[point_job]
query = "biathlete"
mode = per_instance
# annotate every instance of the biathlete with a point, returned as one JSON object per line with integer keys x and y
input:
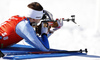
{"x": 17, "y": 28}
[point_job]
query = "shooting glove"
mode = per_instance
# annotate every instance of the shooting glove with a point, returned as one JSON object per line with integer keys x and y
{"x": 44, "y": 28}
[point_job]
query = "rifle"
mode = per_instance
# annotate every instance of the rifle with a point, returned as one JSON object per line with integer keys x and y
{"x": 53, "y": 23}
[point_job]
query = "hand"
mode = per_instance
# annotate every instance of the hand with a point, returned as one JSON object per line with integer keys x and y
{"x": 60, "y": 24}
{"x": 44, "y": 28}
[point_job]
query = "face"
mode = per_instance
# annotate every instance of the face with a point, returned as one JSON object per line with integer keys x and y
{"x": 34, "y": 20}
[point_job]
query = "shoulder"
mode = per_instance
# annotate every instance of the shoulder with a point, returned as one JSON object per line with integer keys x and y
{"x": 22, "y": 24}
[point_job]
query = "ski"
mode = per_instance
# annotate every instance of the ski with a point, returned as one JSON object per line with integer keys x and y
{"x": 41, "y": 54}
{"x": 80, "y": 51}
{"x": 27, "y": 52}
{"x": 48, "y": 52}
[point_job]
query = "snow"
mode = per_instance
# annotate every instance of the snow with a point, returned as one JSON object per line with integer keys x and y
{"x": 70, "y": 36}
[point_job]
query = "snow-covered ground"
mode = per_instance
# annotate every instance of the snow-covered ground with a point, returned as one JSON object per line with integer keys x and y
{"x": 70, "y": 36}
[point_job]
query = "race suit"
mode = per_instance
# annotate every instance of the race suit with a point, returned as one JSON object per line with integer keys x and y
{"x": 17, "y": 28}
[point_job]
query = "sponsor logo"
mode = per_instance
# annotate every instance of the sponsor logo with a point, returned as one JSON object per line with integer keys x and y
{"x": 5, "y": 38}
{"x": 38, "y": 17}
{"x": 3, "y": 34}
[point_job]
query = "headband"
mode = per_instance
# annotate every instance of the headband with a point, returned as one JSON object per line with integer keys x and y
{"x": 35, "y": 14}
